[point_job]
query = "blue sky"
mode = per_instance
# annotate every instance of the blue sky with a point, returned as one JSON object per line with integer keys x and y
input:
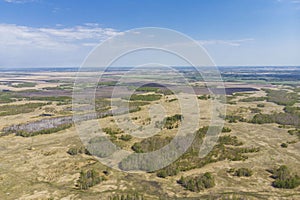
{"x": 37, "y": 33}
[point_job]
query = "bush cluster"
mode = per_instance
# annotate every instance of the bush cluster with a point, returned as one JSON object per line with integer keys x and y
{"x": 243, "y": 172}
{"x": 284, "y": 178}
{"x": 88, "y": 179}
{"x": 197, "y": 183}
{"x": 229, "y": 140}
{"x": 226, "y": 130}
{"x": 172, "y": 122}
{"x": 125, "y": 137}
{"x": 127, "y": 197}
{"x": 282, "y": 97}
{"x": 78, "y": 150}
{"x": 44, "y": 131}
{"x": 204, "y": 97}
{"x": 226, "y": 148}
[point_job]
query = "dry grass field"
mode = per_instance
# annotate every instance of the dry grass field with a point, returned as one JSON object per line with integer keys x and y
{"x": 42, "y": 167}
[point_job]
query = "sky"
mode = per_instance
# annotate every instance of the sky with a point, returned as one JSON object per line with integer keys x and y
{"x": 61, "y": 33}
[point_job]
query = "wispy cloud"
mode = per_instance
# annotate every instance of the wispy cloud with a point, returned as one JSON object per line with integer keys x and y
{"x": 295, "y": 3}
{"x": 64, "y": 45}
{"x": 235, "y": 43}
{"x": 12, "y": 35}
{"x": 20, "y": 1}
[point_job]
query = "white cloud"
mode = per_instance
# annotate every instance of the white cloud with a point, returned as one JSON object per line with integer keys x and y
{"x": 64, "y": 46}
{"x": 52, "y": 37}
{"x": 235, "y": 43}
{"x": 19, "y": 1}
{"x": 24, "y": 44}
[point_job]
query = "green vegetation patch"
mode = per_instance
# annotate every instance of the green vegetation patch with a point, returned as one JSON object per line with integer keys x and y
{"x": 233, "y": 118}
{"x": 61, "y": 99}
{"x": 150, "y": 144}
{"x": 279, "y": 118}
{"x": 127, "y": 197}
{"x": 108, "y": 83}
{"x": 230, "y": 140}
{"x": 284, "y": 178}
{"x": 112, "y": 131}
{"x": 18, "y": 109}
{"x": 126, "y": 137}
{"x": 173, "y": 121}
{"x": 78, "y": 150}
{"x": 204, "y": 97}
{"x": 260, "y": 105}
{"x": 226, "y": 148}
{"x": 282, "y": 97}
{"x": 88, "y": 179}
{"x": 197, "y": 183}
{"x": 226, "y": 130}
{"x": 284, "y": 145}
{"x": 295, "y": 132}
{"x": 251, "y": 99}
{"x": 8, "y": 97}
{"x": 243, "y": 172}
{"x": 169, "y": 122}
{"x": 146, "y": 97}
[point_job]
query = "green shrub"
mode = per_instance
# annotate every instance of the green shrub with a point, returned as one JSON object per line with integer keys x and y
{"x": 260, "y": 105}
{"x": 284, "y": 145}
{"x": 226, "y": 130}
{"x": 111, "y": 131}
{"x": 233, "y": 118}
{"x": 243, "y": 172}
{"x": 262, "y": 119}
{"x": 255, "y": 110}
{"x": 171, "y": 100}
{"x": 198, "y": 183}
{"x": 150, "y": 144}
{"x": 229, "y": 140}
{"x": 137, "y": 147}
{"x": 279, "y": 118}
{"x": 294, "y": 132}
{"x": 292, "y": 110}
{"x": 78, "y": 150}
{"x": 284, "y": 178}
{"x": 126, "y": 137}
{"x": 170, "y": 170}
{"x": 172, "y": 122}
{"x": 89, "y": 179}
{"x": 204, "y": 97}
{"x": 127, "y": 197}
{"x": 289, "y": 183}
